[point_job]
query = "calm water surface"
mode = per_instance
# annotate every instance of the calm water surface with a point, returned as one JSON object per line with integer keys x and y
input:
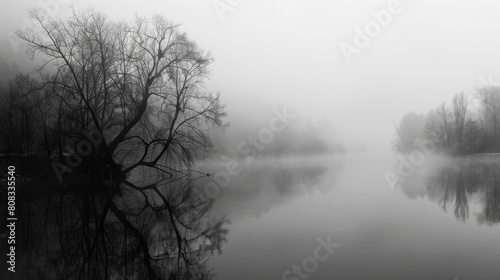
{"x": 441, "y": 223}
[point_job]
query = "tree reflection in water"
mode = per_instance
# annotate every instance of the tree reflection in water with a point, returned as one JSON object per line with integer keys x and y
{"x": 164, "y": 233}
{"x": 456, "y": 184}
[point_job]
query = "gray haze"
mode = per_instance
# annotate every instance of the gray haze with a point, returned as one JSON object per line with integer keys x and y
{"x": 312, "y": 105}
{"x": 270, "y": 54}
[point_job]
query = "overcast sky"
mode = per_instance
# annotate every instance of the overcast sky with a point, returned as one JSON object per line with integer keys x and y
{"x": 274, "y": 53}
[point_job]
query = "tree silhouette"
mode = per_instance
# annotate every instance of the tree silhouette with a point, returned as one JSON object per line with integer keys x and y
{"x": 129, "y": 206}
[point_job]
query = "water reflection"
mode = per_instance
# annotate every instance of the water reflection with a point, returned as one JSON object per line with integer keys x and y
{"x": 81, "y": 232}
{"x": 383, "y": 234}
{"x": 459, "y": 185}
{"x": 91, "y": 235}
{"x": 268, "y": 183}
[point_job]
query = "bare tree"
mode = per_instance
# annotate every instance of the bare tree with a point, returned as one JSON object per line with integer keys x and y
{"x": 141, "y": 85}
{"x": 460, "y": 105}
{"x": 439, "y": 126}
{"x": 473, "y": 136}
{"x": 19, "y": 114}
{"x": 410, "y": 127}
{"x": 489, "y": 97}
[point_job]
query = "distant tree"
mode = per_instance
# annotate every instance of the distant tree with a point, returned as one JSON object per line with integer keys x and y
{"x": 489, "y": 97}
{"x": 440, "y": 126}
{"x": 51, "y": 121}
{"x": 410, "y": 128}
{"x": 460, "y": 106}
{"x": 473, "y": 137}
{"x": 455, "y": 129}
{"x": 19, "y": 115}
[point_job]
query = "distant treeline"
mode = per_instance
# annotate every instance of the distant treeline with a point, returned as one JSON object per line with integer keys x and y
{"x": 32, "y": 120}
{"x": 470, "y": 124}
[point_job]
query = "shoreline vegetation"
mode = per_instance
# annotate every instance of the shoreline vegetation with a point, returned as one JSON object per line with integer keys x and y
{"x": 128, "y": 208}
{"x": 469, "y": 125}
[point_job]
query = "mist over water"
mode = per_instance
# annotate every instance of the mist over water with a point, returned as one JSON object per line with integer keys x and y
{"x": 266, "y": 139}
{"x": 443, "y": 218}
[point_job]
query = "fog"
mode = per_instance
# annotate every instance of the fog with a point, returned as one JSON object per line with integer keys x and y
{"x": 270, "y": 54}
{"x": 233, "y": 139}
